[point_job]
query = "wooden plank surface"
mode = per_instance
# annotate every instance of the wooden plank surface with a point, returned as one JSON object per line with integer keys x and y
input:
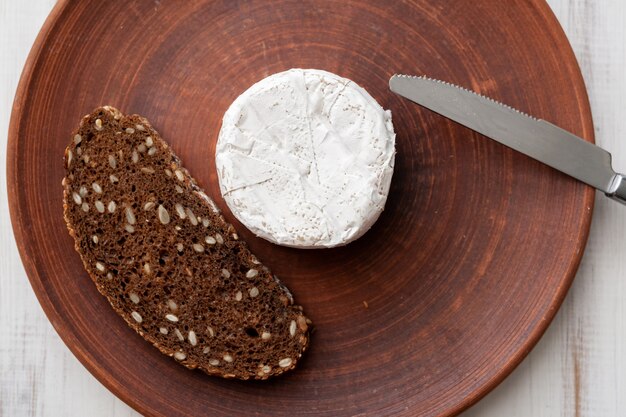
{"x": 577, "y": 369}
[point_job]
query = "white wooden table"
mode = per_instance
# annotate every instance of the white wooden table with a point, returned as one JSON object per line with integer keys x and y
{"x": 577, "y": 369}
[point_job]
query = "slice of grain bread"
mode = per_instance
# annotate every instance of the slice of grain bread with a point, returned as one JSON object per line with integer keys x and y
{"x": 157, "y": 247}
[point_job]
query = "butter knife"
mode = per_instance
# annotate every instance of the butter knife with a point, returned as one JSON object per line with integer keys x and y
{"x": 536, "y": 138}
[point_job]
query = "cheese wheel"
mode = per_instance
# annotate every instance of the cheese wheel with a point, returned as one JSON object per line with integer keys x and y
{"x": 305, "y": 159}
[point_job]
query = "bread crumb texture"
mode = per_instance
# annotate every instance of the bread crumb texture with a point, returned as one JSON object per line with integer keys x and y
{"x": 159, "y": 250}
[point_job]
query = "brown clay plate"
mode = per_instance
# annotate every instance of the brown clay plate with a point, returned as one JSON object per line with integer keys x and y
{"x": 428, "y": 311}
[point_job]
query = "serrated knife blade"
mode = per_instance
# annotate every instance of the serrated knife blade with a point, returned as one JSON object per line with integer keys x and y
{"x": 536, "y": 138}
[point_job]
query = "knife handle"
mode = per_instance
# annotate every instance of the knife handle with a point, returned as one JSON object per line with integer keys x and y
{"x": 618, "y": 189}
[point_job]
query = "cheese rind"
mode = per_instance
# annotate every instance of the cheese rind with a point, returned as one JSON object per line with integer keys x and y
{"x": 305, "y": 159}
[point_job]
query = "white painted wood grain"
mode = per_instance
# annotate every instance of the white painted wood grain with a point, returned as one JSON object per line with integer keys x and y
{"x": 579, "y": 366}
{"x": 577, "y": 369}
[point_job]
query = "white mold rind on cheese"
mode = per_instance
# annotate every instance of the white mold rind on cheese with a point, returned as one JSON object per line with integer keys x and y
{"x": 305, "y": 158}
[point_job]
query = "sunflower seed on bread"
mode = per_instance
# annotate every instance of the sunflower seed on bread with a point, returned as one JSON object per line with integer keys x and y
{"x": 158, "y": 249}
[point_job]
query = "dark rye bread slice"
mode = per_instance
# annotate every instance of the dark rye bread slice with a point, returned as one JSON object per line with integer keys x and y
{"x": 157, "y": 247}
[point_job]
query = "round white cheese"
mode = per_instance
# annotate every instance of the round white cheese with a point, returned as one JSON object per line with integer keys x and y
{"x": 305, "y": 158}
